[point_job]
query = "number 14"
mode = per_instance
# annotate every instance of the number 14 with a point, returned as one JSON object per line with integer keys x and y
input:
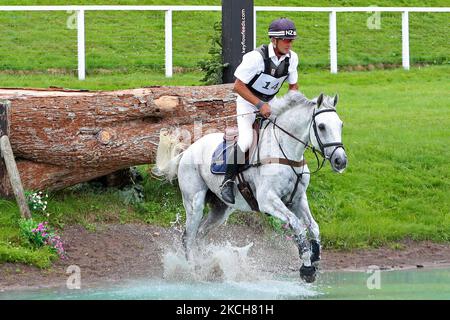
{"x": 274, "y": 87}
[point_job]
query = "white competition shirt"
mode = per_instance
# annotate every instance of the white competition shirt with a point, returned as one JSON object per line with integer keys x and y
{"x": 253, "y": 64}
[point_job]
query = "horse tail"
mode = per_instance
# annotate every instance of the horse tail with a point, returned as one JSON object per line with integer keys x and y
{"x": 168, "y": 155}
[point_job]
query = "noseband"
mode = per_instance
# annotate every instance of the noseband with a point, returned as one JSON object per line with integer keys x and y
{"x": 322, "y": 146}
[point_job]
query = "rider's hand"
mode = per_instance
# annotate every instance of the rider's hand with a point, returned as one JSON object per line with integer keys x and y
{"x": 265, "y": 110}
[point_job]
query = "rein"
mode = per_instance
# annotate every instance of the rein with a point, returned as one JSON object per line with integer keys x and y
{"x": 226, "y": 117}
{"x": 322, "y": 147}
{"x": 307, "y": 146}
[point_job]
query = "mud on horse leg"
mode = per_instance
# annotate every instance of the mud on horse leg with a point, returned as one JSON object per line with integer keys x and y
{"x": 309, "y": 254}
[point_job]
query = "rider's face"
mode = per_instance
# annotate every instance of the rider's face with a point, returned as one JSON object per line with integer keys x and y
{"x": 283, "y": 46}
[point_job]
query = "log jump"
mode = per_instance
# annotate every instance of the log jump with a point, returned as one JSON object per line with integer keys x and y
{"x": 63, "y": 137}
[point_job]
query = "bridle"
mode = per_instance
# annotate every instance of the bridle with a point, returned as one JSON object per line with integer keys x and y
{"x": 321, "y": 150}
{"x": 322, "y": 146}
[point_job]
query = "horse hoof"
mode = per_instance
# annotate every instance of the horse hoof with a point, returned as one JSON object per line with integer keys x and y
{"x": 308, "y": 274}
{"x": 315, "y": 248}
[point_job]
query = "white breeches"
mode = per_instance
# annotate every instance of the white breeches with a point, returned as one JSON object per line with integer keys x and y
{"x": 245, "y": 122}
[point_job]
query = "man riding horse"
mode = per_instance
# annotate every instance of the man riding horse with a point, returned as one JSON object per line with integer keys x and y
{"x": 258, "y": 79}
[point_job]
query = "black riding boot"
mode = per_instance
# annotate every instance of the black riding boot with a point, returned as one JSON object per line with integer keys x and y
{"x": 227, "y": 187}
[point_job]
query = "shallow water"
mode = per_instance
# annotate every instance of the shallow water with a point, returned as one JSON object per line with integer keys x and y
{"x": 226, "y": 272}
{"x": 433, "y": 283}
{"x": 405, "y": 284}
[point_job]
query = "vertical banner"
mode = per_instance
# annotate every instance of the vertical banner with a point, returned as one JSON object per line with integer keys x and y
{"x": 3, "y": 132}
{"x": 4, "y": 104}
{"x": 237, "y": 34}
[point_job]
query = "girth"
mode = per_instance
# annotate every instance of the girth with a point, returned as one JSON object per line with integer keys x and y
{"x": 246, "y": 191}
{"x": 284, "y": 161}
{"x": 244, "y": 186}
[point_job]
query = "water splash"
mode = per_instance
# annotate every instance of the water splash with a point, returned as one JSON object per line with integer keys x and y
{"x": 211, "y": 263}
{"x": 225, "y": 271}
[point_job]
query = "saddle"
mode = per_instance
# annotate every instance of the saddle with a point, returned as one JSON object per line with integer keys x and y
{"x": 230, "y": 138}
{"x": 220, "y": 155}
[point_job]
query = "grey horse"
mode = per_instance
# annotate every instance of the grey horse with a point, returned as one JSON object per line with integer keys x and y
{"x": 279, "y": 189}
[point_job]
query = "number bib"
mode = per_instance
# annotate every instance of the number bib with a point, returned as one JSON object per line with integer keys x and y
{"x": 268, "y": 85}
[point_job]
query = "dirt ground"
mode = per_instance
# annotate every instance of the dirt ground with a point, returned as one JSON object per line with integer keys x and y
{"x": 116, "y": 252}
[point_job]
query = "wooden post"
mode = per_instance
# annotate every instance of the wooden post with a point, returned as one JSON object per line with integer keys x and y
{"x": 405, "y": 40}
{"x": 81, "y": 46}
{"x": 9, "y": 162}
{"x": 333, "y": 43}
{"x": 14, "y": 177}
{"x": 168, "y": 44}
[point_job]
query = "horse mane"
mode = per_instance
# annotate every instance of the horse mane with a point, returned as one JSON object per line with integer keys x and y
{"x": 296, "y": 98}
{"x": 290, "y": 100}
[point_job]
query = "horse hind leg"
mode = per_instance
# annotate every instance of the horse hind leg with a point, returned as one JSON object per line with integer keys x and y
{"x": 193, "y": 204}
{"x": 218, "y": 213}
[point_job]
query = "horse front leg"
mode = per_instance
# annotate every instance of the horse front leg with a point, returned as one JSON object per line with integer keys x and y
{"x": 302, "y": 211}
{"x": 273, "y": 205}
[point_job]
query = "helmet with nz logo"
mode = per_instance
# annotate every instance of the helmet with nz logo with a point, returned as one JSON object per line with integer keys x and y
{"x": 282, "y": 28}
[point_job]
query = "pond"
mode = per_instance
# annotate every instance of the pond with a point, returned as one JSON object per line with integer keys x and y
{"x": 433, "y": 283}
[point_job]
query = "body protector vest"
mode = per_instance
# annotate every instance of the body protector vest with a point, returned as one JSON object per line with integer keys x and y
{"x": 266, "y": 84}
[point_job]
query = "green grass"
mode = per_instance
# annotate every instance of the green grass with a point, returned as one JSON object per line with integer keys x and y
{"x": 396, "y": 122}
{"x": 101, "y": 81}
{"x": 14, "y": 248}
{"x": 88, "y": 205}
{"x": 396, "y": 186}
{"x": 133, "y": 41}
{"x": 396, "y": 137}
{"x": 41, "y": 258}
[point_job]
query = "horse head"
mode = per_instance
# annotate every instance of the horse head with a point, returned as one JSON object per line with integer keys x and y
{"x": 326, "y": 132}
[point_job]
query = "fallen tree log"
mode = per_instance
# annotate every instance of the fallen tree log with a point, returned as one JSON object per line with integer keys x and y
{"x": 63, "y": 137}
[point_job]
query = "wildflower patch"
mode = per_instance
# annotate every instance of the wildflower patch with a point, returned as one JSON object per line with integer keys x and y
{"x": 40, "y": 234}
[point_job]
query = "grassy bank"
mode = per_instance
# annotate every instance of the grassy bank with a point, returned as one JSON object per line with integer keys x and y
{"x": 130, "y": 41}
{"x": 396, "y": 186}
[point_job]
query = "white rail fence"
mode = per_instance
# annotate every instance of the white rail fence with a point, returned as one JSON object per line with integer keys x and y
{"x": 168, "y": 25}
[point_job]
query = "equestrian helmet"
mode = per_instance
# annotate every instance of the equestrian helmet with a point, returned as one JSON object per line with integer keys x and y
{"x": 282, "y": 28}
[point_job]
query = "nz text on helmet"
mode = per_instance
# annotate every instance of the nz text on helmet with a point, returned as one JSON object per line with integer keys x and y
{"x": 282, "y": 28}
